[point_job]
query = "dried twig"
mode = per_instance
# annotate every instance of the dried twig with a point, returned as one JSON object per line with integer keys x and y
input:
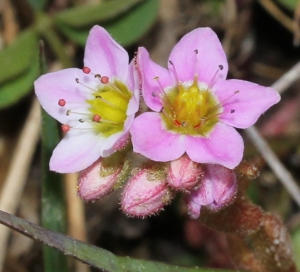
{"x": 280, "y": 16}
{"x": 281, "y": 172}
{"x": 76, "y": 218}
{"x": 17, "y": 174}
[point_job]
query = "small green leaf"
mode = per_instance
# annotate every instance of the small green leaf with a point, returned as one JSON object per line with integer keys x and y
{"x": 13, "y": 90}
{"x": 126, "y": 28}
{"x": 17, "y": 58}
{"x": 296, "y": 246}
{"x": 87, "y": 15}
{"x": 37, "y": 4}
{"x": 290, "y": 4}
{"x": 94, "y": 256}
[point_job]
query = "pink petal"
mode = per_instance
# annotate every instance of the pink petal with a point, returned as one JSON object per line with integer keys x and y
{"x": 111, "y": 144}
{"x": 52, "y": 87}
{"x": 104, "y": 56}
{"x": 205, "y": 64}
{"x": 150, "y": 139}
{"x": 75, "y": 152}
{"x": 201, "y": 197}
{"x": 223, "y": 146}
{"x": 151, "y": 87}
{"x": 224, "y": 184}
{"x": 242, "y": 109}
{"x": 133, "y": 86}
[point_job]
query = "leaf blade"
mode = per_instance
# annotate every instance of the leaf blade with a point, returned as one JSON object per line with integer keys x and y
{"x": 94, "y": 256}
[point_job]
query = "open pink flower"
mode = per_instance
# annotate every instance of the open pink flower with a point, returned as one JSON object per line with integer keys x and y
{"x": 96, "y": 104}
{"x": 217, "y": 189}
{"x": 195, "y": 107}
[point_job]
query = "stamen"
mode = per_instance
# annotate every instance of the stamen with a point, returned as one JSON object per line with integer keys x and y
{"x": 109, "y": 103}
{"x": 62, "y": 102}
{"x": 79, "y": 82}
{"x": 86, "y": 70}
{"x": 104, "y": 79}
{"x": 232, "y": 111}
{"x": 196, "y": 62}
{"x": 74, "y": 112}
{"x": 96, "y": 118}
{"x": 177, "y": 123}
{"x": 65, "y": 128}
{"x": 236, "y": 92}
{"x": 222, "y": 103}
{"x": 164, "y": 93}
{"x": 175, "y": 71}
{"x": 221, "y": 67}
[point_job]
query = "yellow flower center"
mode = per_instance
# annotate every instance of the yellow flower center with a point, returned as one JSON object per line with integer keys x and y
{"x": 109, "y": 107}
{"x": 190, "y": 110}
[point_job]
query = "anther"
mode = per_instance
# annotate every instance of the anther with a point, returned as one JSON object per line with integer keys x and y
{"x": 68, "y": 112}
{"x": 232, "y": 111}
{"x": 97, "y": 76}
{"x": 61, "y": 102}
{"x": 175, "y": 72}
{"x": 77, "y": 80}
{"x": 86, "y": 70}
{"x": 96, "y": 118}
{"x": 196, "y": 51}
{"x": 215, "y": 75}
{"x": 81, "y": 120}
{"x": 177, "y": 123}
{"x": 154, "y": 94}
{"x": 104, "y": 79}
{"x": 65, "y": 128}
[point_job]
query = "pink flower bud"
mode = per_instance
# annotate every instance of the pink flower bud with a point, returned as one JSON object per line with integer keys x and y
{"x": 224, "y": 186}
{"x": 97, "y": 180}
{"x": 184, "y": 174}
{"x": 217, "y": 189}
{"x": 146, "y": 193}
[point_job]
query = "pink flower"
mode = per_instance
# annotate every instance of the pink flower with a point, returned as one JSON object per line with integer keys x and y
{"x": 145, "y": 193}
{"x": 96, "y": 105}
{"x": 195, "y": 107}
{"x": 217, "y": 189}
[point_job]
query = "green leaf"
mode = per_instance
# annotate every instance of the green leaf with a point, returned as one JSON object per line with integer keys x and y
{"x": 17, "y": 58}
{"x": 126, "y": 28}
{"x": 53, "y": 201}
{"x": 87, "y": 15}
{"x": 94, "y": 256}
{"x": 18, "y": 70}
{"x": 14, "y": 90}
{"x": 290, "y": 4}
{"x": 37, "y": 4}
{"x": 296, "y": 246}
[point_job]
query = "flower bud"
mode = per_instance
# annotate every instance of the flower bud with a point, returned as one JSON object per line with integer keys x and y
{"x": 184, "y": 174}
{"x": 217, "y": 188}
{"x": 146, "y": 193}
{"x": 224, "y": 186}
{"x": 98, "y": 180}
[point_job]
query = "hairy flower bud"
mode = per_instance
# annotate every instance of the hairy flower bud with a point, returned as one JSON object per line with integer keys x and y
{"x": 217, "y": 188}
{"x": 98, "y": 180}
{"x": 146, "y": 193}
{"x": 184, "y": 174}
